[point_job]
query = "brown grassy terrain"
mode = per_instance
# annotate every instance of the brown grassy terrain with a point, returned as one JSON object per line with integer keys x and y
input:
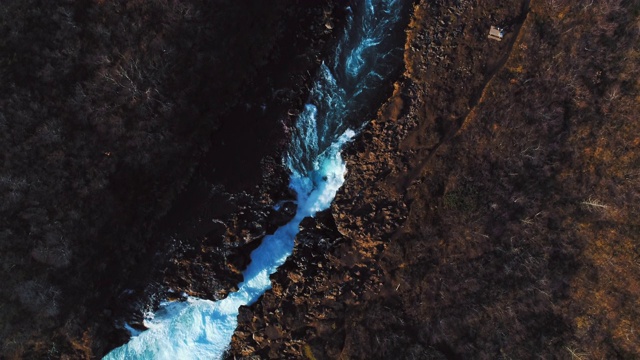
{"x": 491, "y": 210}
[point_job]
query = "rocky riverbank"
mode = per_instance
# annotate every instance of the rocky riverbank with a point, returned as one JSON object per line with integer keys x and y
{"x": 140, "y": 156}
{"x": 490, "y": 208}
{"x": 226, "y": 209}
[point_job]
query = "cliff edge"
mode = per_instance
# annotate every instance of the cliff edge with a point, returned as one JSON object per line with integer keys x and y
{"x": 490, "y": 209}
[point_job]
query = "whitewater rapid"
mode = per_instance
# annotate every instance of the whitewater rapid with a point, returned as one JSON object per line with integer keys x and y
{"x": 365, "y": 56}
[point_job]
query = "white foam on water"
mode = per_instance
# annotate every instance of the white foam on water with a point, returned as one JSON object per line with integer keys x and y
{"x": 202, "y": 329}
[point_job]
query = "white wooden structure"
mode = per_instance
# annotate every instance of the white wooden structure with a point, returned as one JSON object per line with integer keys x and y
{"x": 495, "y": 33}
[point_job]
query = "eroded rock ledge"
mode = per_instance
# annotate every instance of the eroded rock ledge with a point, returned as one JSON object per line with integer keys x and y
{"x": 490, "y": 208}
{"x": 140, "y": 151}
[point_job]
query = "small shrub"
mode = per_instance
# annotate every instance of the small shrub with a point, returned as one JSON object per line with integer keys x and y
{"x": 464, "y": 199}
{"x": 39, "y": 297}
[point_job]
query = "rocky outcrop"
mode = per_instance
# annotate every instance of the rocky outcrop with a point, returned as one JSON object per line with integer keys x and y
{"x": 489, "y": 210}
{"x": 226, "y": 209}
{"x": 140, "y": 156}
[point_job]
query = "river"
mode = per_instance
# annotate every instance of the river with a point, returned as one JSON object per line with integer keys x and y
{"x": 365, "y": 56}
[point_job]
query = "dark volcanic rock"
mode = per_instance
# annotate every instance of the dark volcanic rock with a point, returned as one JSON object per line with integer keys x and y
{"x": 140, "y": 156}
{"x": 226, "y": 210}
{"x": 489, "y": 210}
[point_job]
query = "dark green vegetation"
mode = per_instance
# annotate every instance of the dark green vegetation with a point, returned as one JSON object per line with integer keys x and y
{"x": 107, "y": 109}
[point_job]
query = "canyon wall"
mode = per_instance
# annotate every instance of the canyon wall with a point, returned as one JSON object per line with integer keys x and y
{"x": 490, "y": 209}
{"x": 140, "y": 153}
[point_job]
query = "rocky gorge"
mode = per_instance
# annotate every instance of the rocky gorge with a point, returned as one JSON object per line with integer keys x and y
{"x": 490, "y": 207}
{"x": 123, "y": 127}
{"x": 489, "y": 211}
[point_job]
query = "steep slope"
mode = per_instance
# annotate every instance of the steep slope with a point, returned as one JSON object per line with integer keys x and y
{"x": 490, "y": 211}
{"x": 122, "y": 127}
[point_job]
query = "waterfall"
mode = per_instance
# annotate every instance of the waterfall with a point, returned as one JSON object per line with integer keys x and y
{"x": 365, "y": 56}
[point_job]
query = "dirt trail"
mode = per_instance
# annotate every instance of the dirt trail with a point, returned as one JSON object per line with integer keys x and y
{"x": 516, "y": 232}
